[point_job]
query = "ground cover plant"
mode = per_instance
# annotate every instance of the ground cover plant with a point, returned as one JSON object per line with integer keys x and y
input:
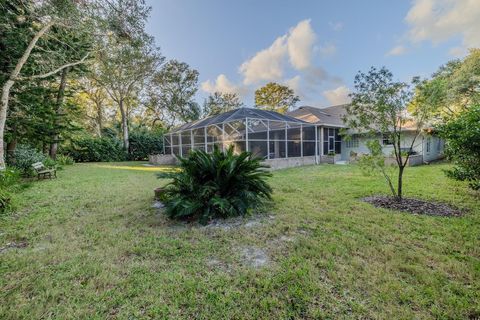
{"x": 89, "y": 245}
{"x": 217, "y": 185}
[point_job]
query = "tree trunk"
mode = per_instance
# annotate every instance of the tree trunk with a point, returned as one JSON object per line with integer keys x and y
{"x": 58, "y": 112}
{"x": 12, "y": 145}
{"x": 124, "y": 125}
{"x": 3, "y": 119}
{"x": 9, "y": 83}
{"x": 400, "y": 182}
{"x": 99, "y": 117}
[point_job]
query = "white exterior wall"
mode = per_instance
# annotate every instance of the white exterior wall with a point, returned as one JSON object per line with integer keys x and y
{"x": 436, "y": 148}
{"x": 420, "y": 146}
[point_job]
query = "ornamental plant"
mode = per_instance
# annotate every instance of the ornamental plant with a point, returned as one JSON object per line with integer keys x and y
{"x": 217, "y": 185}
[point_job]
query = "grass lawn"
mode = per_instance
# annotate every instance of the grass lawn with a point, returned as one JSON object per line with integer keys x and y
{"x": 97, "y": 249}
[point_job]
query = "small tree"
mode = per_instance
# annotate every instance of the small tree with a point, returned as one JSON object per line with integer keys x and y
{"x": 379, "y": 106}
{"x": 275, "y": 97}
{"x": 221, "y": 102}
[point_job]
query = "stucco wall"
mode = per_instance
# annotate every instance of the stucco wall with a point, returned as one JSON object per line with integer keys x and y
{"x": 162, "y": 159}
{"x": 420, "y": 147}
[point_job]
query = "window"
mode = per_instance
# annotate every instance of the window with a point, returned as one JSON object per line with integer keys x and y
{"x": 429, "y": 142}
{"x": 352, "y": 142}
{"x": 332, "y": 141}
{"x": 386, "y": 141}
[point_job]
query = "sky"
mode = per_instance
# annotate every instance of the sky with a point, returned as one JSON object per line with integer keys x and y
{"x": 314, "y": 47}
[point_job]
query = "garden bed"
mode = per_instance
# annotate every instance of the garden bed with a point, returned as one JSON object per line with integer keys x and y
{"x": 415, "y": 206}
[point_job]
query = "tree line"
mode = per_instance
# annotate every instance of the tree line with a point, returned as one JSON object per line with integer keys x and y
{"x": 89, "y": 68}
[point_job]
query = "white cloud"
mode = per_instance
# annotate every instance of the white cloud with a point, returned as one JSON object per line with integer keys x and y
{"x": 397, "y": 51}
{"x": 300, "y": 45}
{"x": 269, "y": 64}
{"x": 222, "y": 84}
{"x": 266, "y": 64}
{"x": 295, "y": 84}
{"x": 338, "y": 95}
{"x": 440, "y": 20}
{"x": 289, "y": 55}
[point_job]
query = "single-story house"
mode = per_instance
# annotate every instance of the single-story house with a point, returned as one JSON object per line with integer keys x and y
{"x": 427, "y": 146}
{"x": 304, "y": 136}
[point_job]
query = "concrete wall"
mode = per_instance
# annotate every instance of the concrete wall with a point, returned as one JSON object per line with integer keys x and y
{"x": 162, "y": 159}
{"x": 330, "y": 159}
{"x": 276, "y": 164}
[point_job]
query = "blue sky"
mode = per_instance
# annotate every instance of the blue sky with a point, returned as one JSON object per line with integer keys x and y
{"x": 315, "y": 47}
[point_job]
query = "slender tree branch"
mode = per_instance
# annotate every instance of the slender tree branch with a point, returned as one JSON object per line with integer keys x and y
{"x": 48, "y": 74}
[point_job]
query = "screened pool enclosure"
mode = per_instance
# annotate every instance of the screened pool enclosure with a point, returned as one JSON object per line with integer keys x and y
{"x": 266, "y": 134}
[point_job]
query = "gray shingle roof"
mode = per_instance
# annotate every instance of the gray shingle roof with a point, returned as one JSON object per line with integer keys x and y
{"x": 238, "y": 114}
{"x": 330, "y": 116}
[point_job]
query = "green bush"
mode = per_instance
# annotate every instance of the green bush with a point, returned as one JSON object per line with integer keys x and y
{"x": 9, "y": 183}
{"x": 64, "y": 160}
{"x": 91, "y": 149}
{"x": 463, "y": 146}
{"x": 24, "y": 156}
{"x": 144, "y": 143}
{"x": 220, "y": 184}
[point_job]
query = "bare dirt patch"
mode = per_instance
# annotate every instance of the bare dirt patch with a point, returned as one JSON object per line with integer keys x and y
{"x": 254, "y": 257}
{"x": 248, "y": 222}
{"x": 415, "y": 206}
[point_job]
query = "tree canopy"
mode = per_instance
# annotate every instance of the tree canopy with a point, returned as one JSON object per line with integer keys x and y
{"x": 275, "y": 97}
{"x": 219, "y": 102}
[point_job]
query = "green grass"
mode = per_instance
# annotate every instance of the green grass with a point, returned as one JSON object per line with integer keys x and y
{"x": 96, "y": 249}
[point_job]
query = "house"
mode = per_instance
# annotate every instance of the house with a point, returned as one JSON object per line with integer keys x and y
{"x": 427, "y": 146}
{"x": 281, "y": 140}
{"x": 304, "y": 136}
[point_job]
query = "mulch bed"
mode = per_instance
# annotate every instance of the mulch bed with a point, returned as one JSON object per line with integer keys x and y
{"x": 415, "y": 206}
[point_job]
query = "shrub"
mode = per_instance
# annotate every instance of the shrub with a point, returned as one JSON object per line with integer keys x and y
{"x": 91, "y": 149}
{"x": 220, "y": 184}
{"x": 24, "y": 156}
{"x": 9, "y": 183}
{"x": 144, "y": 143}
{"x": 64, "y": 160}
{"x": 463, "y": 146}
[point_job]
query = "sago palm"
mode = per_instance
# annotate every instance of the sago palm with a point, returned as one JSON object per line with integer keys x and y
{"x": 220, "y": 184}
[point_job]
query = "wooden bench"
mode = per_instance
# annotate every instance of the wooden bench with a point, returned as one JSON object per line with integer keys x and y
{"x": 44, "y": 172}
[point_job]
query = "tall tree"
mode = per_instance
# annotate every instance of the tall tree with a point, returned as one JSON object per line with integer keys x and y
{"x": 96, "y": 103}
{"x": 379, "y": 106}
{"x": 219, "y": 102}
{"x": 453, "y": 88}
{"x": 275, "y": 97}
{"x": 35, "y": 20}
{"x": 171, "y": 94}
{"x": 123, "y": 70}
